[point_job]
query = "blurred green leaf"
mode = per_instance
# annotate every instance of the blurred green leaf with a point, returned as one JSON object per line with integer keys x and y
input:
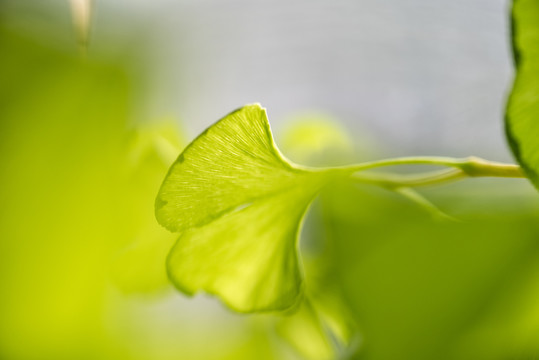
{"x": 522, "y": 114}
{"x": 140, "y": 266}
{"x": 239, "y": 205}
{"x": 316, "y": 139}
{"x": 321, "y": 329}
{"x": 421, "y": 289}
{"x": 61, "y": 152}
{"x": 305, "y": 332}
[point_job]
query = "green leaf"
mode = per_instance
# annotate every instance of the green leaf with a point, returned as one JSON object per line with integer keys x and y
{"x": 522, "y": 114}
{"x": 150, "y": 150}
{"x": 238, "y": 205}
{"x": 317, "y": 139}
{"x": 437, "y": 290}
{"x": 305, "y": 331}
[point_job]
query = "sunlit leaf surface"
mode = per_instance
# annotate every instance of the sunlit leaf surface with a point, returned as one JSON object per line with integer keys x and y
{"x": 239, "y": 206}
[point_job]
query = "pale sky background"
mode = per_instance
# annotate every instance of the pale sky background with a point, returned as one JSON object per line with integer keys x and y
{"x": 410, "y": 76}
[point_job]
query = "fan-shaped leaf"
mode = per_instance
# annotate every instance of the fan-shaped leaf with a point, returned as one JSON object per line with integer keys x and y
{"x": 238, "y": 204}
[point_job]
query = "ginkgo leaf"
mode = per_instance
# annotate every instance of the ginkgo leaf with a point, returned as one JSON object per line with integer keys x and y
{"x": 247, "y": 257}
{"x": 238, "y": 205}
{"x": 522, "y": 114}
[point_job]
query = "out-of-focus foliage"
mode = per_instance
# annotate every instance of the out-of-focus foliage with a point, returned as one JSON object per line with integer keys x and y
{"x": 139, "y": 267}
{"x": 422, "y": 289}
{"x": 77, "y": 192}
{"x": 322, "y": 327}
{"x": 82, "y": 272}
{"x": 522, "y": 118}
{"x": 60, "y": 133}
{"x": 316, "y": 139}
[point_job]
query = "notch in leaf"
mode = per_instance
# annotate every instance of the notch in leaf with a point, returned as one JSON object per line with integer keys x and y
{"x": 238, "y": 204}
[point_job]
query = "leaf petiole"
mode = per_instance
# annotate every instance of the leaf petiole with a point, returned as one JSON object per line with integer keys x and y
{"x": 391, "y": 180}
{"x": 423, "y": 202}
{"x": 459, "y": 169}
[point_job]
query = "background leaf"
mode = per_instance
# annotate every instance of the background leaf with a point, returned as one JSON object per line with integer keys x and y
{"x": 420, "y": 289}
{"x": 522, "y": 114}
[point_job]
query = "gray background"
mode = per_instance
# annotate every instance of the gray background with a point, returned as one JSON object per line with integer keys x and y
{"x": 410, "y": 76}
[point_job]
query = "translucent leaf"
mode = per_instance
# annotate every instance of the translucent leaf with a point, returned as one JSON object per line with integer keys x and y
{"x": 247, "y": 257}
{"x": 239, "y": 205}
{"x": 522, "y": 116}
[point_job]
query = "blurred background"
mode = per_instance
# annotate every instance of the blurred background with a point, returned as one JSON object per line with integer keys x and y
{"x": 90, "y": 123}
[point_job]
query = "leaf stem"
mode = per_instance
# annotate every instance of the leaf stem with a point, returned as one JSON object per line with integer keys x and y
{"x": 459, "y": 168}
{"x": 413, "y": 180}
{"x": 420, "y": 160}
{"x": 417, "y": 198}
{"x": 403, "y": 184}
